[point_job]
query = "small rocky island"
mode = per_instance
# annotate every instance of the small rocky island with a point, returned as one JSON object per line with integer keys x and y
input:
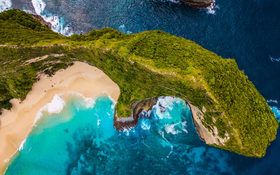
{"x": 199, "y": 3}
{"x": 227, "y": 109}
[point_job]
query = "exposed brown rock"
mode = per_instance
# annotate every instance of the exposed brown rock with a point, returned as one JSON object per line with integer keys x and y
{"x": 147, "y": 104}
{"x": 42, "y": 21}
{"x": 198, "y": 3}
{"x": 129, "y": 122}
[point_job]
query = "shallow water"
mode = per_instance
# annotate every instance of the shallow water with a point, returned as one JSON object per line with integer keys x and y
{"x": 81, "y": 139}
{"x": 245, "y": 30}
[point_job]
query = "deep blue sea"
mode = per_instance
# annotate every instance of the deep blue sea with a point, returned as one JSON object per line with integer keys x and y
{"x": 247, "y": 30}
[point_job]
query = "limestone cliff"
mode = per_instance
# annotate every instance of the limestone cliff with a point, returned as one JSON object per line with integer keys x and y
{"x": 147, "y": 104}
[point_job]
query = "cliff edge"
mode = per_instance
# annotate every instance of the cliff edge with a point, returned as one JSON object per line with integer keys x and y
{"x": 228, "y": 111}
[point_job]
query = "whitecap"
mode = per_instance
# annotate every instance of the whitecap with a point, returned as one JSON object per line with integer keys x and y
{"x": 163, "y": 105}
{"x": 88, "y": 102}
{"x": 272, "y": 101}
{"x": 173, "y": 1}
{"x": 126, "y": 132}
{"x": 5, "y": 5}
{"x": 274, "y": 59}
{"x": 58, "y": 24}
{"x": 184, "y": 124}
{"x": 39, "y": 6}
{"x": 22, "y": 145}
{"x": 145, "y": 124}
{"x": 171, "y": 128}
{"x": 55, "y": 106}
{"x": 122, "y": 28}
{"x": 276, "y": 111}
{"x": 212, "y": 8}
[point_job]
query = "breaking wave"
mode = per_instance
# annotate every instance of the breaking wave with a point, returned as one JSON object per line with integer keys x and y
{"x": 272, "y": 101}
{"x": 212, "y": 9}
{"x": 273, "y": 104}
{"x": 5, "y": 5}
{"x": 58, "y": 23}
{"x": 39, "y": 6}
{"x": 276, "y": 111}
{"x": 274, "y": 59}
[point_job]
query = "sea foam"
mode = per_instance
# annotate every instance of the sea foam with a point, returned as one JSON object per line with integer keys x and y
{"x": 174, "y": 1}
{"x": 212, "y": 8}
{"x": 272, "y": 101}
{"x": 55, "y": 106}
{"x": 123, "y": 29}
{"x": 39, "y": 6}
{"x": 164, "y": 103}
{"x": 5, "y": 4}
{"x": 274, "y": 59}
{"x": 170, "y": 128}
{"x": 276, "y": 111}
{"x": 58, "y": 24}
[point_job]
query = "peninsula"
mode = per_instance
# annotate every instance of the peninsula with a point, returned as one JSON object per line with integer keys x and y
{"x": 227, "y": 109}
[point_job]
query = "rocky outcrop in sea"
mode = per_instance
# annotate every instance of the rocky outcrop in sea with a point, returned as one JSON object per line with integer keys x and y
{"x": 199, "y": 3}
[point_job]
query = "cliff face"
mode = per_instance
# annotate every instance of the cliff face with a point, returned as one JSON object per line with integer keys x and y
{"x": 144, "y": 65}
{"x": 128, "y": 122}
{"x": 198, "y": 3}
{"x": 203, "y": 133}
{"x": 42, "y": 21}
{"x": 147, "y": 104}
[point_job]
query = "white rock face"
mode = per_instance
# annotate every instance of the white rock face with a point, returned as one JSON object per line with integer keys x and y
{"x": 203, "y": 132}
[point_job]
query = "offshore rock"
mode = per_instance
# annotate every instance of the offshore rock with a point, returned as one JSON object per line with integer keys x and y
{"x": 199, "y": 3}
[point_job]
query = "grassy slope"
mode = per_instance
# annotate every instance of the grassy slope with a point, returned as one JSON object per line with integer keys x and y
{"x": 144, "y": 65}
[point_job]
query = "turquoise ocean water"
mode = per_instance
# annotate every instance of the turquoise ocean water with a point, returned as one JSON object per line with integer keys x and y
{"x": 245, "y": 30}
{"x": 81, "y": 139}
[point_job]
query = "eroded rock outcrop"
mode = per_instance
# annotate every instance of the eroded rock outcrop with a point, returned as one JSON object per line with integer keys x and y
{"x": 129, "y": 122}
{"x": 42, "y": 21}
{"x": 197, "y": 115}
{"x": 199, "y": 3}
{"x": 204, "y": 134}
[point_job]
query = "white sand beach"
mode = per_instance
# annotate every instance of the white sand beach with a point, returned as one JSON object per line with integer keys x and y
{"x": 18, "y": 122}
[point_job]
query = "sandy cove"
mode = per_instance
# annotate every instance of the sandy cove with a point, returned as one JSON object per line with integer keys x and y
{"x": 18, "y": 122}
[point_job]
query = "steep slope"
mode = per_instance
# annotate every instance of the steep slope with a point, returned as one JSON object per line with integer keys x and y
{"x": 227, "y": 109}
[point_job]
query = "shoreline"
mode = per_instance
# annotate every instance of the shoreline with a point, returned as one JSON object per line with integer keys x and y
{"x": 80, "y": 78}
{"x": 17, "y": 123}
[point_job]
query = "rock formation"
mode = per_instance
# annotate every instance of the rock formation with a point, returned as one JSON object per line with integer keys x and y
{"x": 42, "y": 21}
{"x": 199, "y": 3}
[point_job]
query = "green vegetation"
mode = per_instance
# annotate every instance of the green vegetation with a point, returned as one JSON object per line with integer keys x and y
{"x": 144, "y": 65}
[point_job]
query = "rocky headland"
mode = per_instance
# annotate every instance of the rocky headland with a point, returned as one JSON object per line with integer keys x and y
{"x": 126, "y": 123}
{"x": 42, "y": 21}
{"x": 228, "y": 111}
